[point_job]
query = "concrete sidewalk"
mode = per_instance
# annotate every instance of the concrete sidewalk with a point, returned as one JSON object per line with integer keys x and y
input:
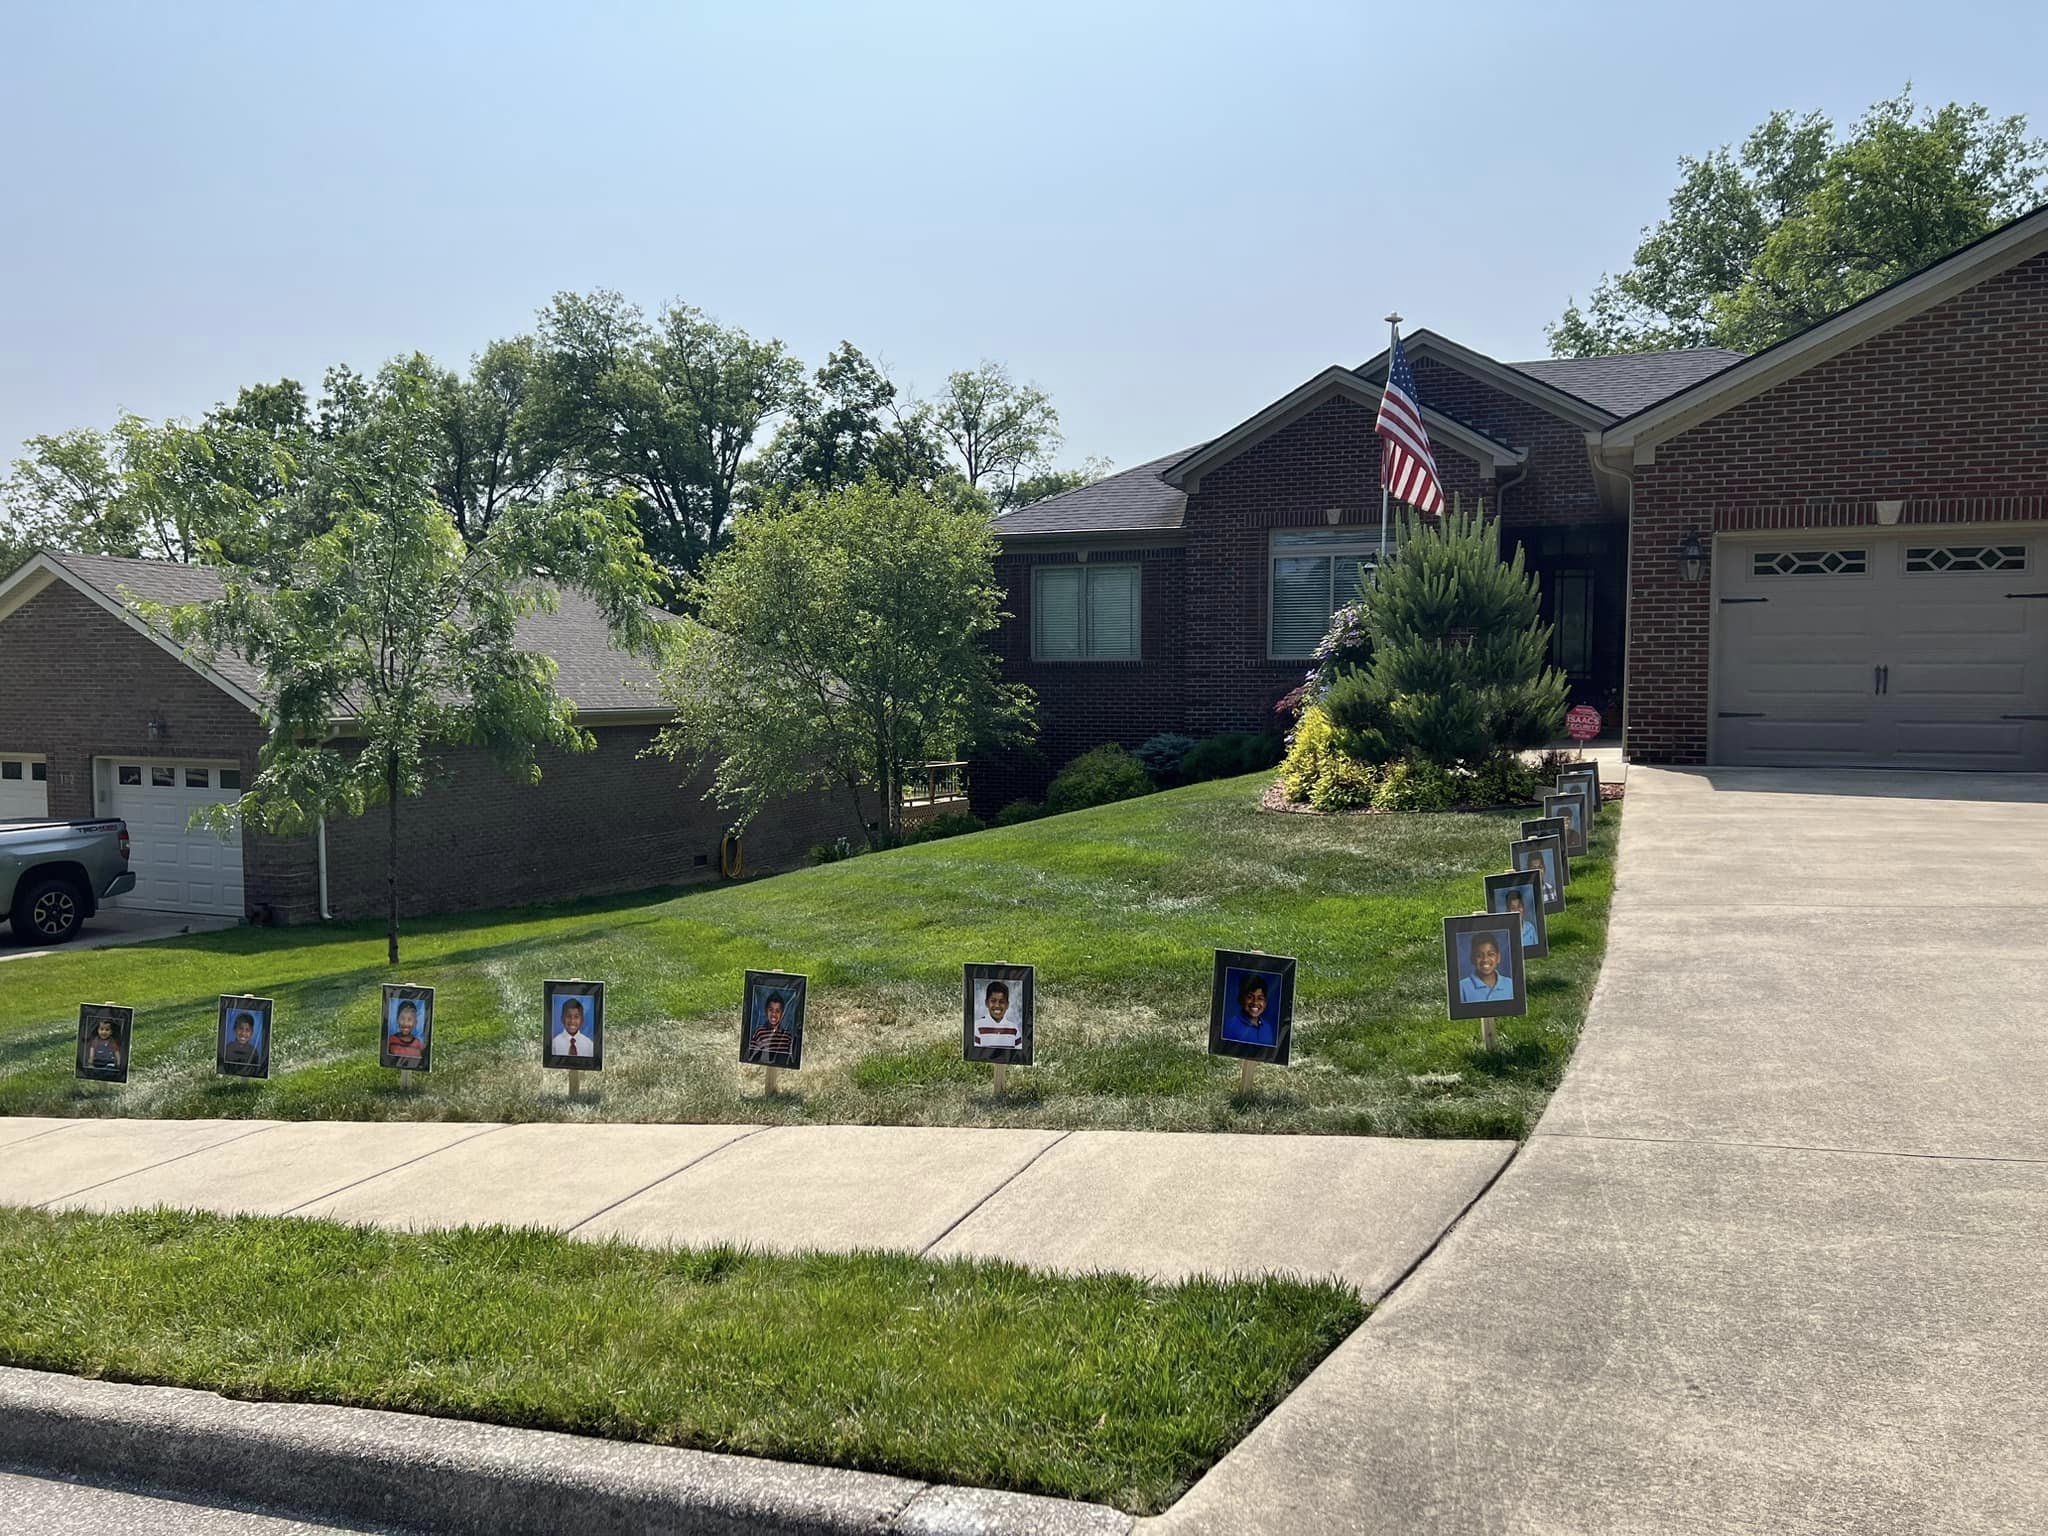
{"x": 1166, "y": 1206}
{"x": 1773, "y": 1261}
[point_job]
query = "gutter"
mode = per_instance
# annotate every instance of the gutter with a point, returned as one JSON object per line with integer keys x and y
{"x": 320, "y": 838}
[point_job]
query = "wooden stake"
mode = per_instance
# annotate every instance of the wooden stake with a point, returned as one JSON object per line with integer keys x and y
{"x": 1488, "y": 1038}
{"x": 1002, "y": 1078}
{"x": 1244, "y": 1076}
{"x": 575, "y": 1083}
{"x": 774, "y": 1079}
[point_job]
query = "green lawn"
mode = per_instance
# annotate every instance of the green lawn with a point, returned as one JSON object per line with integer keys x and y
{"x": 1119, "y": 908}
{"x": 1098, "y": 1387}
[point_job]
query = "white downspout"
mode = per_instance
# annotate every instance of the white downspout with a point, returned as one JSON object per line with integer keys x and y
{"x": 326, "y": 916}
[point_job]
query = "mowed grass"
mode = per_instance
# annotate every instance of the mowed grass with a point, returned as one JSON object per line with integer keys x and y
{"x": 1100, "y": 1387}
{"x": 1119, "y": 908}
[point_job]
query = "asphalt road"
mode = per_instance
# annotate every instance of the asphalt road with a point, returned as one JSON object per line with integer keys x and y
{"x": 51, "y": 1508}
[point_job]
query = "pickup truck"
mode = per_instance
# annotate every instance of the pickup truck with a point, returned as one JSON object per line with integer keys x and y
{"x": 54, "y": 874}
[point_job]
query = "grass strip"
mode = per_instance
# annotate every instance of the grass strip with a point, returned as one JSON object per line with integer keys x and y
{"x": 1102, "y": 1387}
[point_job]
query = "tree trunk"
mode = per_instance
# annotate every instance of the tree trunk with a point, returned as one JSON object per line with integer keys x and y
{"x": 391, "y": 857}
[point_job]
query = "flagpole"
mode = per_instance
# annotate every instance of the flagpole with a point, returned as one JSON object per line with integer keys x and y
{"x": 1393, "y": 340}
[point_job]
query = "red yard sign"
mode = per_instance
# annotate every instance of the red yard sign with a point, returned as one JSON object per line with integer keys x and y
{"x": 1582, "y": 722}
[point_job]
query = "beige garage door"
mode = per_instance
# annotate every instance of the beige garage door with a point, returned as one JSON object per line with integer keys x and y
{"x": 1880, "y": 647}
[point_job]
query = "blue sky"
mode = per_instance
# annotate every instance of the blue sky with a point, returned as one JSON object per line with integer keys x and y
{"x": 1166, "y": 215}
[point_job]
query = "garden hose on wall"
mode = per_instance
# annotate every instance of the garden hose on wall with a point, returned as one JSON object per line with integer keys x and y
{"x": 732, "y": 859}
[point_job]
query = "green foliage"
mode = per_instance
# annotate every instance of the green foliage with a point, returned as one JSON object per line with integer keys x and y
{"x": 376, "y": 612}
{"x": 1097, "y": 777}
{"x": 1038, "y": 485}
{"x": 1019, "y": 811}
{"x": 1164, "y": 755}
{"x": 951, "y": 824}
{"x": 1459, "y": 671}
{"x": 1233, "y": 752}
{"x": 840, "y": 642}
{"x": 999, "y": 428}
{"x": 1317, "y": 773}
{"x": 1413, "y": 784}
{"x": 1508, "y": 779}
{"x": 1760, "y": 243}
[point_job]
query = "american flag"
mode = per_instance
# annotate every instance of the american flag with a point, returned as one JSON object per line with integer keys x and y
{"x": 1407, "y": 467}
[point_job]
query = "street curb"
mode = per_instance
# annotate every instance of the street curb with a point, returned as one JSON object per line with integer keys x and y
{"x": 402, "y": 1469}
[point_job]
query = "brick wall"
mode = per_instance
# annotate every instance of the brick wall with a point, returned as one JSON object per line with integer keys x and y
{"x": 1558, "y": 486}
{"x": 76, "y": 683}
{"x": 1947, "y": 412}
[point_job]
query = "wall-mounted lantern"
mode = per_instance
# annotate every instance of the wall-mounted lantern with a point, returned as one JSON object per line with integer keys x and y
{"x": 1692, "y": 557}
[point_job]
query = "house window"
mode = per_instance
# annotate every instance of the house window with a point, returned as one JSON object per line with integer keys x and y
{"x": 1085, "y": 612}
{"x": 1311, "y": 573}
{"x": 129, "y": 775}
{"x": 1571, "y": 631}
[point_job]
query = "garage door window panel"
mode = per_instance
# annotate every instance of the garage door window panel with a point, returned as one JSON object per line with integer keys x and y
{"x": 1962, "y": 559}
{"x": 1810, "y": 562}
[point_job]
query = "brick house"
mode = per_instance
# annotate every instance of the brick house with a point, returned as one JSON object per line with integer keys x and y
{"x": 1821, "y": 555}
{"x": 102, "y": 715}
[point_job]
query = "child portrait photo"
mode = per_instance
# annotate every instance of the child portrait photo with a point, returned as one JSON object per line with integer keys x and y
{"x": 772, "y": 1020}
{"x": 998, "y": 1014}
{"x": 1554, "y": 826}
{"x": 1483, "y": 967}
{"x": 1571, "y": 810}
{"x": 1582, "y": 773}
{"x": 572, "y": 1025}
{"x": 1251, "y": 1006}
{"x": 1519, "y": 894}
{"x": 406, "y": 1036}
{"x": 1545, "y": 857}
{"x": 242, "y": 1040}
{"x": 103, "y": 1034}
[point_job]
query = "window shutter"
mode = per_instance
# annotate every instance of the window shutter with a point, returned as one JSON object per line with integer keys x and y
{"x": 1301, "y": 604}
{"x": 1056, "y": 613}
{"x": 1113, "y": 612}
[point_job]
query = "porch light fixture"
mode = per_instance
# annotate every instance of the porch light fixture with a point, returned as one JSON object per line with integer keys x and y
{"x": 1692, "y": 555}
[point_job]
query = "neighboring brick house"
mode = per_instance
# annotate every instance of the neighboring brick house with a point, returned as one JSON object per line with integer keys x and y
{"x": 102, "y": 715}
{"x": 1668, "y": 501}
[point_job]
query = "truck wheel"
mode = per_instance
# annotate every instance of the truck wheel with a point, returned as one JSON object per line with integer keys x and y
{"x": 48, "y": 911}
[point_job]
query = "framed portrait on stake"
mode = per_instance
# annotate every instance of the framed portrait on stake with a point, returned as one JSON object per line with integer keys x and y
{"x": 1545, "y": 856}
{"x": 1571, "y": 810}
{"x": 772, "y": 1020}
{"x": 572, "y": 1025}
{"x": 405, "y": 1034}
{"x": 1518, "y": 894}
{"x": 104, "y": 1033}
{"x": 1483, "y": 970}
{"x": 1553, "y": 826}
{"x": 242, "y": 1038}
{"x": 1251, "y": 1006}
{"x": 996, "y": 1025}
{"x": 1587, "y": 773}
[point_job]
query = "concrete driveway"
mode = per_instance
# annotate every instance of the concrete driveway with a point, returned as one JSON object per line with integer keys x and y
{"x": 1776, "y": 1259}
{"x": 117, "y": 925}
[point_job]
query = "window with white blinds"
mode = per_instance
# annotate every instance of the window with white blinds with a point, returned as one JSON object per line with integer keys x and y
{"x": 1314, "y": 572}
{"x": 1085, "y": 612}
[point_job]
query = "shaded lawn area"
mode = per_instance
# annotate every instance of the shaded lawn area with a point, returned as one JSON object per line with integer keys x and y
{"x": 1119, "y": 907}
{"x": 1099, "y": 1387}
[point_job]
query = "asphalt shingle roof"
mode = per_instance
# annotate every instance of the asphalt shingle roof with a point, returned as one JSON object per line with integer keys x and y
{"x": 1133, "y": 500}
{"x": 1629, "y": 381}
{"x": 590, "y": 669}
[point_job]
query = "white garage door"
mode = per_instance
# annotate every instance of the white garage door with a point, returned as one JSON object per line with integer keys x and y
{"x": 24, "y": 787}
{"x": 178, "y": 867}
{"x": 1913, "y": 649}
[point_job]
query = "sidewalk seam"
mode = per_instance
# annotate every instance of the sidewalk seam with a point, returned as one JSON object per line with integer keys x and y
{"x": 460, "y": 1141}
{"x": 1024, "y": 1168}
{"x": 48, "y": 1130}
{"x": 1793, "y": 1146}
{"x": 211, "y": 1146}
{"x": 1437, "y": 1242}
{"x": 672, "y": 1173}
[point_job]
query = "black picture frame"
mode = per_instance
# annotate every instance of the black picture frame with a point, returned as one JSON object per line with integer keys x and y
{"x": 1235, "y": 968}
{"x": 1535, "y": 921}
{"x": 1552, "y": 826}
{"x": 554, "y": 995}
{"x": 761, "y": 988}
{"x": 1462, "y": 938}
{"x": 1019, "y": 1013}
{"x": 108, "y": 1065}
{"x": 1571, "y": 810}
{"x": 1530, "y": 853}
{"x": 1588, "y": 793}
{"x": 1589, "y": 772}
{"x": 391, "y": 1052}
{"x": 236, "y": 1058}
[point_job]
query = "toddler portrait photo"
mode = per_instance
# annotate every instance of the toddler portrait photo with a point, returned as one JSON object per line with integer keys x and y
{"x": 103, "y": 1032}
